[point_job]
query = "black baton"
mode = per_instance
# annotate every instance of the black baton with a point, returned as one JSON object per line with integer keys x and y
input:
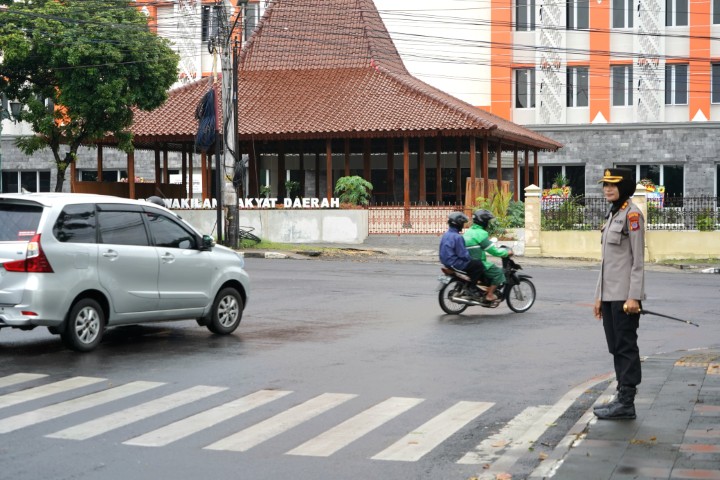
{"x": 648, "y": 312}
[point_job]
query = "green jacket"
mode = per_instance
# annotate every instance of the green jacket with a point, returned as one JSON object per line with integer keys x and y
{"x": 478, "y": 242}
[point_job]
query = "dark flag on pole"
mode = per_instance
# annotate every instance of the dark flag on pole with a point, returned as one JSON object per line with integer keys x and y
{"x": 205, "y": 114}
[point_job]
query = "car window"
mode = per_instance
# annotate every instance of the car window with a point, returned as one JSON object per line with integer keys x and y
{"x": 18, "y": 222}
{"x": 76, "y": 224}
{"x": 122, "y": 228}
{"x": 166, "y": 232}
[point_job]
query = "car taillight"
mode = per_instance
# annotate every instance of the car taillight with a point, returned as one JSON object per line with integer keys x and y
{"x": 35, "y": 259}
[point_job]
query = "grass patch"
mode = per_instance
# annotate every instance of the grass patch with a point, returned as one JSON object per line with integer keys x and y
{"x": 711, "y": 262}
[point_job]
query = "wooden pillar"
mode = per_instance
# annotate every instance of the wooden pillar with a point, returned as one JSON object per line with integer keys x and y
{"x": 203, "y": 174}
{"x": 535, "y": 168}
{"x": 190, "y": 173}
{"x": 472, "y": 194}
{"x": 406, "y": 182}
{"x": 527, "y": 168}
{"x": 458, "y": 172}
{"x": 317, "y": 174}
{"x": 422, "y": 194}
{"x": 302, "y": 170}
{"x": 391, "y": 168}
{"x": 347, "y": 157}
{"x": 282, "y": 172}
{"x": 183, "y": 169}
{"x": 166, "y": 166}
{"x": 99, "y": 163}
{"x": 438, "y": 170}
{"x": 367, "y": 160}
{"x": 498, "y": 158}
{"x": 73, "y": 175}
{"x": 485, "y": 169}
{"x": 516, "y": 189}
{"x": 131, "y": 174}
{"x": 157, "y": 163}
{"x": 328, "y": 169}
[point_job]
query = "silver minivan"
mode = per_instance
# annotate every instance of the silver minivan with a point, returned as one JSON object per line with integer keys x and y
{"x": 78, "y": 263}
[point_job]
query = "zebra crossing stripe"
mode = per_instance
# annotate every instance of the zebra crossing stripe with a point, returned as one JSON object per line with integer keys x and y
{"x": 130, "y": 415}
{"x": 16, "y": 378}
{"x": 187, "y": 426}
{"x": 46, "y": 390}
{"x": 489, "y": 449}
{"x": 342, "y": 435}
{"x": 267, "y": 429}
{"x": 57, "y": 410}
{"x": 416, "y": 444}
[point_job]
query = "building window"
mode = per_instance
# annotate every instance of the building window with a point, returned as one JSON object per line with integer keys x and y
{"x": 29, "y": 181}
{"x": 577, "y": 14}
{"x": 252, "y": 17}
{"x": 525, "y": 15}
{"x": 573, "y": 176}
{"x": 577, "y": 86}
{"x": 716, "y": 12}
{"x": 676, "y": 84}
{"x": 208, "y": 23}
{"x": 525, "y": 88}
{"x": 716, "y": 83}
{"x": 676, "y": 13}
{"x": 672, "y": 177}
{"x": 622, "y": 86}
{"x": 622, "y": 13}
{"x": 108, "y": 175}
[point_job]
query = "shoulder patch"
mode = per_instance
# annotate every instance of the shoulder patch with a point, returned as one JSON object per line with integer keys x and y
{"x": 633, "y": 221}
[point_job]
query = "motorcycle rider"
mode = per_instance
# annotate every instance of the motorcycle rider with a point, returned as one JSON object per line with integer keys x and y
{"x": 454, "y": 254}
{"x": 478, "y": 242}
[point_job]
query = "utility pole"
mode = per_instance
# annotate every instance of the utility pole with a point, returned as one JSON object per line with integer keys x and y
{"x": 229, "y": 113}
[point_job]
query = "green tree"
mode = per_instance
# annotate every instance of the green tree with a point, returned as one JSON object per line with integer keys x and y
{"x": 96, "y": 59}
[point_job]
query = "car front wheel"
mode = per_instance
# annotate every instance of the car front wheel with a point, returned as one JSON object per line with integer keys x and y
{"x": 226, "y": 312}
{"x": 85, "y": 326}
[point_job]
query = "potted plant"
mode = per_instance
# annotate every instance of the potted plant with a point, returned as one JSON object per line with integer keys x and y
{"x": 353, "y": 190}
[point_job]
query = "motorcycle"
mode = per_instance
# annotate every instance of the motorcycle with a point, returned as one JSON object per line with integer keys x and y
{"x": 518, "y": 291}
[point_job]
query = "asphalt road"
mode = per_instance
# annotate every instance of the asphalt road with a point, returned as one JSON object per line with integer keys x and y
{"x": 360, "y": 374}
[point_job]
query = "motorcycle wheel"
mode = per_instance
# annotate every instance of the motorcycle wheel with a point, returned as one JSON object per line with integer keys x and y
{"x": 452, "y": 288}
{"x": 521, "y": 296}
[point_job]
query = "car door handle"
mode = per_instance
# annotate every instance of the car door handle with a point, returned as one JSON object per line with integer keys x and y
{"x": 110, "y": 254}
{"x": 168, "y": 258}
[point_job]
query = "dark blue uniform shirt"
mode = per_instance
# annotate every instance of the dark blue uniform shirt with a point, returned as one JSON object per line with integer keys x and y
{"x": 453, "y": 252}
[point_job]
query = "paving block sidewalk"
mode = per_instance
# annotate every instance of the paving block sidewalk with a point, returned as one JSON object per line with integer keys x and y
{"x": 676, "y": 434}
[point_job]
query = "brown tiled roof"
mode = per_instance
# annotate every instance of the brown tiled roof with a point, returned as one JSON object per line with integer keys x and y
{"x": 319, "y": 69}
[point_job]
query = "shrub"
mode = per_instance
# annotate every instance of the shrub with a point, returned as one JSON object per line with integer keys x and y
{"x": 353, "y": 190}
{"x": 705, "y": 221}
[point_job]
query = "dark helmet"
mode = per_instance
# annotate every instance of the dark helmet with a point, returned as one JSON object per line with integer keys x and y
{"x": 156, "y": 200}
{"x": 482, "y": 217}
{"x": 457, "y": 220}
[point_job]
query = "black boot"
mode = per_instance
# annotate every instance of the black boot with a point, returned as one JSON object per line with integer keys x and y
{"x": 623, "y": 409}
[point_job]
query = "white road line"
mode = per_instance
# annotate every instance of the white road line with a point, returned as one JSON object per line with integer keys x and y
{"x": 46, "y": 390}
{"x": 489, "y": 449}
{"x": 521, "y": 445}
{"x": 347, "y": 432}
{"x": 57, "y": 410}
{"x": 416, "y": 444}
{"x": 267, "y": 429}
{"x": 16, "y": 378}
{"x": 187, "y": 426}
{"x": 133, "y": 414}
{"x": 573, "y": 438}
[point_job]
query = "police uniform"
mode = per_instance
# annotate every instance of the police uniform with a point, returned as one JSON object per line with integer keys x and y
{"x": 622, "y": 278}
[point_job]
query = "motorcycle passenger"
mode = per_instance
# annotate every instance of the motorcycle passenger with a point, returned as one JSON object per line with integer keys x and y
{"x": 454, "y": 255}
{"x": 478, "y": 242}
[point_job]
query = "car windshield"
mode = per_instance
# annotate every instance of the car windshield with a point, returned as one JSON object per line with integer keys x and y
{"x": 18, "y": 222}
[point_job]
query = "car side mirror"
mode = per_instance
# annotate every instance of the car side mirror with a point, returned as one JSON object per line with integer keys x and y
{"x": 207, "y": 242}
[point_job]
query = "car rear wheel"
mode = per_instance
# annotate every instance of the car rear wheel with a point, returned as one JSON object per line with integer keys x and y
{"x": 226, "y": 312}
{"x": 85, "y": 326}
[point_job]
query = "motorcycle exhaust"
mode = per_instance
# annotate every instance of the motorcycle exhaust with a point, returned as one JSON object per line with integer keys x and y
{"x": 464, "y": 301}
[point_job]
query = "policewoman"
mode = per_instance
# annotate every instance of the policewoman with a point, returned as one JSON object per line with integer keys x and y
{"x": 620, "y": 289}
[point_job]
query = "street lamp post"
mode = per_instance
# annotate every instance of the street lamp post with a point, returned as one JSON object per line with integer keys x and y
{"x": 8, "y": 111}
